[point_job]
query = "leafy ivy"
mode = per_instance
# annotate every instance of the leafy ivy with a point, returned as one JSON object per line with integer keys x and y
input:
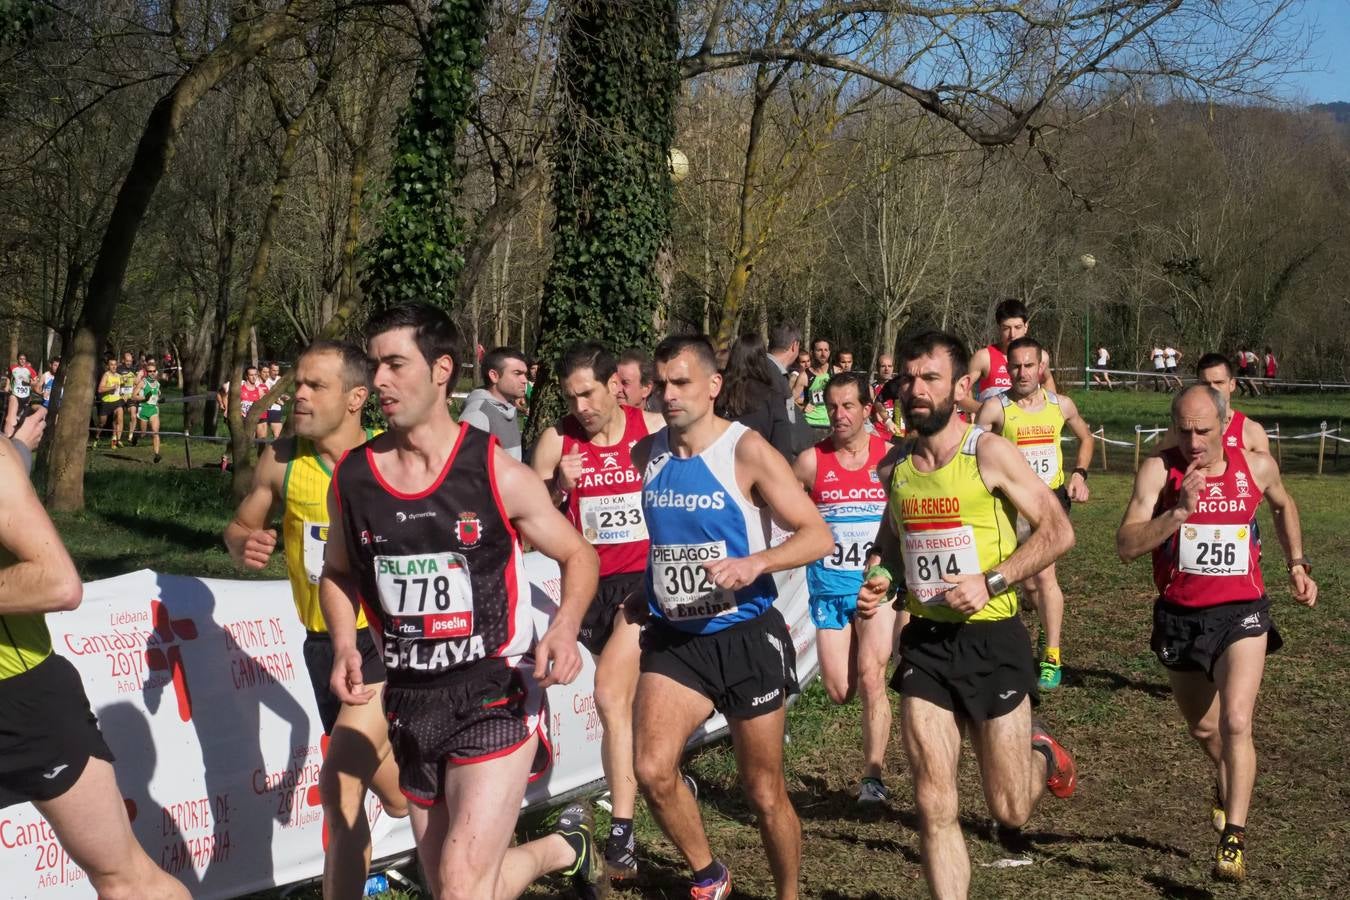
{"x": 611, "y": 183}
{"x": 416, "y": 255}
{"x": 19, "y": 19}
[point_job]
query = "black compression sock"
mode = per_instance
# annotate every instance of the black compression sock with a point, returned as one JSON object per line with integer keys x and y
{"x": 621, "y": 833}
{"x": 712, "y": 870}
{"x": 1237, "y": 832}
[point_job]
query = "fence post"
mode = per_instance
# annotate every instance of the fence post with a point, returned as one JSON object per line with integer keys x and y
{"x": 1137, "y": 438}
{"x": 1102, "y": 433}
{"x": 187, "y": 447}
{"x": 1336, "y": 448}
{"x": 1279, "y": 446}
{"x": 1322, "y": 447}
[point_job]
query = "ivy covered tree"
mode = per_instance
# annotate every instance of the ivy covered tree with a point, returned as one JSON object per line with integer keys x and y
{"x": 611, "y": 183}
{"x": 418, "y": 252}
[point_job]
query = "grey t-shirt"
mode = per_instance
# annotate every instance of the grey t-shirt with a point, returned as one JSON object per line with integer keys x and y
{"x": 484, "y": 411}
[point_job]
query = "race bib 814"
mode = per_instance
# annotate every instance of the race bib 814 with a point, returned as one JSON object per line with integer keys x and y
{"x": 929, "y": 555}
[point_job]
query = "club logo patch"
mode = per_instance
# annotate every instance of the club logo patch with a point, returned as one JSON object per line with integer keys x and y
{"x": 469, "y": 529}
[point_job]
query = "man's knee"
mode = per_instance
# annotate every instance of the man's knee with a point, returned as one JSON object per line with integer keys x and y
{"x": 459, "y": 883}
{"x": 1235, "y": 724}
{"x": 656, "y": 777}
{"x": 614, "y": 701}
{"x": 766, "y": 792}
{"x": 838, "y": 689}
{"x": 936, "y": 801}
{"x": 1203, "y": 730}
{"x": 872, "y": 680}
{"x": 1011, "y": 810}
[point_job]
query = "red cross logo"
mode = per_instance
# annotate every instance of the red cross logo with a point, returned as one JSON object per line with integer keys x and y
{"x": 164, "y": 655}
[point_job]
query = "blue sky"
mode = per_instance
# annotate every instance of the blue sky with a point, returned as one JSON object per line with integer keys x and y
{"x": 1329, "y": 53}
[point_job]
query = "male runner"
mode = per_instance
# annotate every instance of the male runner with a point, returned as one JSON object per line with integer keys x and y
{"x": 989, "y": 365}
{"x": 1033, "y": 418}
{"x": 635, "y": 379}
{"x": 493, "y": 407}
{"x": 715, "y": 640}
{"x": 128, "y": 375}
{"x": 147, "y": 407}
{"x": 109, "y": 402}
{"x": 586, "y": 460}
{"x": 885, "y": 372}
{"x": 426, "y": 528}
{"x": 1215, "y": 370}
{"x": 965, "y": 655}
{"x": 250, "y": 392}
{"x": 292, "y": 478}
{"x": 274, "y": 409}
{"x": 52, "y": 753}
{"x": 1193, "y": 507}
{"x": 885, "y": 393}
{"x": 813, "y": 391}
{"x": 21, "y": 379}
{"x": 49, "y": 384}
{"x": 844, "y": 361}
{"x": 840, "y": 475}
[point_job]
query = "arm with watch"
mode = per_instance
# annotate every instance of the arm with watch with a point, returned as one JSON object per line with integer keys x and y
{"x": 1076, "y": 485}
{"x": 1287, "y": 526}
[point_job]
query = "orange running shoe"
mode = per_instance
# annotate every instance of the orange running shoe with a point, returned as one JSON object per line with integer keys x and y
{"x": 1064, "y": 778}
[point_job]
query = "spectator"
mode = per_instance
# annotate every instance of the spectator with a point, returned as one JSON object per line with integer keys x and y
{"x": 635, "y": 380}
{"x": 492, "y": 408}
{"x": 1172, "y": 356}
{"x": 753, "y": 393}
{"x": 1159, "y": 368}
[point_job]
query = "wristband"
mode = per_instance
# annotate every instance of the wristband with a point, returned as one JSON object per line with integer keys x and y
{"x": 1080, "y": 471}
{"x": 881, "y": 570}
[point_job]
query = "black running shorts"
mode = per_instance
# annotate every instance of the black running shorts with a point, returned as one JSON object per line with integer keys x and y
{"x": 1062, "y": 495}
{"x": 490, "y": 708}
{"x": 978, "y": 670}
{"x": 746, "y": 670}
{"x": 319, "y": 663}
{"x": 48, "y": 733}
{"x": 1192, "y": 640}
{"x": 273, "y": 416}
{"x": 627, "y": 590}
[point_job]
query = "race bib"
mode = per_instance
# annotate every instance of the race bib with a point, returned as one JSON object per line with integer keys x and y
{"x": 852, "y": 540}
{"x": 613, "y": 519}
{"x": 21, "y": 390}
{"x": 1215, "y": 549}
{"x": 316, "y": 538}
{"x": 426, "y": 595}
{"x": 929, "y": 555}
{"x": 684, "y": 589}
{"x": 1043, "y": 459}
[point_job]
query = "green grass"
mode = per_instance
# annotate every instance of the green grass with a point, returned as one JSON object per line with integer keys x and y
{"x": 1139, "y": 825}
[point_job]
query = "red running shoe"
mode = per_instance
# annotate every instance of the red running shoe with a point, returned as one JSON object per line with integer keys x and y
{"x": 716, "y": 889}
{"x": 1064, "y": 778}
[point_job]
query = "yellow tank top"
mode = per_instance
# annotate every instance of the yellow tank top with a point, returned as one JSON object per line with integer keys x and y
{"x": 1036, "y": 435}
{"x": 949, "y": 523}
{"x": 304, "y": 528}
{"x": 110, "y": 387}
{"x": 24, "y": 642}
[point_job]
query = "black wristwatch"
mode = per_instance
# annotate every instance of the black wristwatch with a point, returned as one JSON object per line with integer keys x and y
{"x": 1081, "y": 471}
{"x": 1301, "y": 561}
{"x": 995, "y": 583}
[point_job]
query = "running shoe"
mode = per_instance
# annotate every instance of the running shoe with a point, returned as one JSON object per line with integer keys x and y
{"x": 158, "y": 457}
{"x": 872, "y": 792}
{"x": 1230, "y": 863}
{"x": 1051, "y": 675}
{"x": 1064, "y": 778}
{"x": 588, "y": 872}
{"x": 714, "y": 889}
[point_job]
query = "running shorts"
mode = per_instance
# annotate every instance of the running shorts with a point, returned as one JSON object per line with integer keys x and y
{"x": 48, "y": 733}
{"x": 273, "y": 416}
{"x": 978, "y": 670}
{"x": 833, "y": 612}
{"x": 1186, "y": 639}
{"x": 492, "y": 708}
{"x": 627, "y": 591}
{"x": 746, "y": 670}
{"x": 319, "y": 662}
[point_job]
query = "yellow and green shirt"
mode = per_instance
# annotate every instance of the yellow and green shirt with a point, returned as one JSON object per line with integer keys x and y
{"x": 1036, "y": 435}
{"x": 304, "y": 529}
{"x": 949, "y": 523}
{"x": 24, "y": 642}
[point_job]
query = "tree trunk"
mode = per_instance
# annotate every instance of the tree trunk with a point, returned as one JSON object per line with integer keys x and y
{"x": 154, "y": 152}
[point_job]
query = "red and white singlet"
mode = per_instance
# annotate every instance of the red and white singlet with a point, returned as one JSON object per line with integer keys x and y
{"x": 606, "y": 505}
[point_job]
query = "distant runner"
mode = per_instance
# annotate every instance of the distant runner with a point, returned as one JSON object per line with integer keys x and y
{"x": 989, "y": 365}
{"x": 1193, "y": 508}
{"x": 813, "y": 397}
{"x": 147, "y": 409}
{"x": 1216, "y": 371}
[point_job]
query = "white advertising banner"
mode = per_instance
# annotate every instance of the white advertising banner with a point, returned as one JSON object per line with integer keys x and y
{"x": 201, "y": 691}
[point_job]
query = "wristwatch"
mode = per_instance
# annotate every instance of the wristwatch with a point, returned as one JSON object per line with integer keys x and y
{"x": 1301, "y": 561}
{"x": 1081, "y": 471}
{"x": 995, "y": 583}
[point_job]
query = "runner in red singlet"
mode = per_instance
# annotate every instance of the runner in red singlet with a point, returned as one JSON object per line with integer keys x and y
{"x": 1215, "y": 370}
{"x": 989, "y": 365}
{"x": 426, "y": 527}
{"x": 1193, "y": 508}
{"x": 585, "y": 460}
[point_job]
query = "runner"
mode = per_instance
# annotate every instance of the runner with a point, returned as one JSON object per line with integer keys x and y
{"x": 430, "y": 516}
{"x": 844, "y": 361}
{"x": 885, "y": 392}
{"x": 250, "y": 392}
{"x": 1100, "y": 375}
{"x": 22, "y": 377}
{"x": 1272, "y": 366}
{"x": 49, "y": 384}
{"x": 1192, "y": 507}
{"x": 128, "y": 376}
{"x": 635, "y": 379}
{"x": 1216, "y": 371}
{"x": 52, "y": 753}
{"x": 1170, "y": 357}
{"x": 989, "y": 365}
{"x": 840, "y": 475}
{"x": 292, "y": 479}
{"x": 885, "y": 372}
{"x": 147, "y": 409}
{"x": 1033, "y": 419}
{"x": 813, "y": 389}
{"x": 585, "y": 460}
{"x": 274, "y": 417}
{"x": 492, "y": 408}
{"x": 715, "y": 640}
{"x": 965, "y": 655}
{"x": 1159, "y": 368}
{"x": 109, "y": 403}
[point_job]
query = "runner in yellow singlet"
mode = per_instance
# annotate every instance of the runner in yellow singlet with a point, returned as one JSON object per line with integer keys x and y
{"x": 293, "y": 476}
{"x": 1033, "y": 418}
{"x": 965, "y": 655}
{"x": 52, "y": 753}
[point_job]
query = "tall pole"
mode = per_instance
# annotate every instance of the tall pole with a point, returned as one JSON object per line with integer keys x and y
{"x": 1088, "y": 262}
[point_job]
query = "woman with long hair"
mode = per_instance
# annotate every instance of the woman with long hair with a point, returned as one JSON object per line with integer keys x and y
{"x": 754, "y": 394}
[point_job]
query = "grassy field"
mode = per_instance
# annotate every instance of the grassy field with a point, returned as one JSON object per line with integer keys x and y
{"x": 1138, "y": 826}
